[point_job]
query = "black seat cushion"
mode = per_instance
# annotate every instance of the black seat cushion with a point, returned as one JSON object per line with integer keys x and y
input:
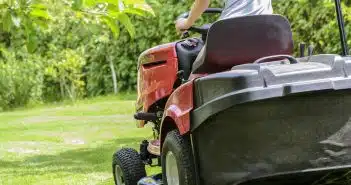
{"x": 243, "y": 40}
{"x": 187, "y": 53}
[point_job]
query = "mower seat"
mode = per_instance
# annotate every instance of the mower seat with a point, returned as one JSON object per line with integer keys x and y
{"x": 187, "y": 51}
{"x": 242, "y": 40}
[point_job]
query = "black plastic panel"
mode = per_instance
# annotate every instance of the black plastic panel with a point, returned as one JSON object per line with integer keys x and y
{"x": 272, "y": 136}
{"x": 322, "y": 176}
{"x": 187, "y": 54}
{"x": 253, "y": 82}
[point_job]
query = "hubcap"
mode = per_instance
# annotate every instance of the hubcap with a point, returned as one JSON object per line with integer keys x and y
{"x": 119, "y": 175}
{"x": 171, "y": 169}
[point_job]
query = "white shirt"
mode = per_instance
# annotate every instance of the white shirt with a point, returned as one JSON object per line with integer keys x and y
{"x": 236, "y": 8}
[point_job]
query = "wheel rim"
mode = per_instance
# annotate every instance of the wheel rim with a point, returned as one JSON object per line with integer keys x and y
{"x": 119, "y": 175}
{"x": 171, "y": 169}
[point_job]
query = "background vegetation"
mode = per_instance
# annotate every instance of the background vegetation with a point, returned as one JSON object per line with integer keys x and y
{"x": 56, "y": 50}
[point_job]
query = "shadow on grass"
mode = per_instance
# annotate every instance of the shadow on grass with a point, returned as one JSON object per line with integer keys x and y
{"x": 83, "y": 160}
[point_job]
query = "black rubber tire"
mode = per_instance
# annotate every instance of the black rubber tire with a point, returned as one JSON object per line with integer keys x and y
{"x": 181, "y": 148}
{"x": 132, "y": 167}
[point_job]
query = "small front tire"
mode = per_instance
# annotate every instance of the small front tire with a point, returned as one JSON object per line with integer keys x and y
{"x": 127, "y": 167}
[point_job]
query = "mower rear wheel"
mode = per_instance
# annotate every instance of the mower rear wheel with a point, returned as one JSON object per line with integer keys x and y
{"x": 177, "y": 162}
{"x": 127, "y": 167}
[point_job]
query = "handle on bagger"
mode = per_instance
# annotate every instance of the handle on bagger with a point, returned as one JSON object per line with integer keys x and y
{"x": 291, "y": 59}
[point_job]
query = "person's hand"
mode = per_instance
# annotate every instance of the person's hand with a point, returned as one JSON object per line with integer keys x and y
{"x": 182, "y": 24}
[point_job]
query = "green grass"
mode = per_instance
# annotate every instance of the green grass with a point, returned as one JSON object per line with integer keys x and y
{"x": 67, "y": 143}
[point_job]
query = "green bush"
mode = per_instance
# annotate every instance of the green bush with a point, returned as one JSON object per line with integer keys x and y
{"x": 314, "y": 22}
{"x": 66, "y": 71}
{"x": 21, "y": 81}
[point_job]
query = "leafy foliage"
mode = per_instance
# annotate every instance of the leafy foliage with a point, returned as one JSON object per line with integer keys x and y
{"x": 21, "y": 81}
{"x": 66, "y": 71}
{"x": 25, "y": 15}
{"x": 66, "y": 48}
{"x": 50, "y": 38}
{"x": 314, "y": 22}
{"x": 113, "y": 12}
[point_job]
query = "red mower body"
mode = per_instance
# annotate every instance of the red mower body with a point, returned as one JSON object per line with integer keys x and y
{"x": 157, "y": 69}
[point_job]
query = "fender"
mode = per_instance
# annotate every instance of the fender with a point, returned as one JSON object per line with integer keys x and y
{"x": 179, "y": 106}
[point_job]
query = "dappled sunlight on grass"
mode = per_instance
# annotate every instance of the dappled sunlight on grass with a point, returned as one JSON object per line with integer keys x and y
{"x": 68, "y": 145}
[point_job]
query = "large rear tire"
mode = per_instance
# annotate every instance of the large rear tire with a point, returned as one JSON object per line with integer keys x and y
{"x": 177, "y": 160}
{"x": 127, "y": 167}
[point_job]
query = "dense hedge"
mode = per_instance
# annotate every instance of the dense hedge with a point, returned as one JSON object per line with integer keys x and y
{"x": 314, "y": 22}
{"x": 72, "y": 60}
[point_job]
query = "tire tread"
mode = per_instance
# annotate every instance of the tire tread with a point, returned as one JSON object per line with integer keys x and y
{"x": 132, "y": 166}
{"x": 186, "y": 163}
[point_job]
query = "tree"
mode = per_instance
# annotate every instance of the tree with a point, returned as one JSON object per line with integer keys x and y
{"x": 113, "y": 12}
{"x": 19, "y": 15}
{"x": 16, "y": 14}
{"x": 31, "y": 14}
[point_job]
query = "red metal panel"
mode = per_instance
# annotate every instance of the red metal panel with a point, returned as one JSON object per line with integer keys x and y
{"x": 179, "y": 105}
{"x": 155, "y": 79}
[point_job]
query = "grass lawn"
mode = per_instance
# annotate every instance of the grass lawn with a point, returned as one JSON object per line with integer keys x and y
{"x": 67, "y": 144}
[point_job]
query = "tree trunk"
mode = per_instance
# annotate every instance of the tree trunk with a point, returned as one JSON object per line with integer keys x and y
{"x": 62, "y": 88}
{"x": 114, "y": 77}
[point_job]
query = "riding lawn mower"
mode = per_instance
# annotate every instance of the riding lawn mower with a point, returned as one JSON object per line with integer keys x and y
{"x": 247, "y": 112}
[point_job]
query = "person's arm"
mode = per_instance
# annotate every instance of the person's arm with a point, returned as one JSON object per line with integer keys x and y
{"x": 198, "y": 7}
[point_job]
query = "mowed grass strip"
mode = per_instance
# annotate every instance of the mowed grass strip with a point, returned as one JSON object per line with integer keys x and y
{"x": 67, "y": 143}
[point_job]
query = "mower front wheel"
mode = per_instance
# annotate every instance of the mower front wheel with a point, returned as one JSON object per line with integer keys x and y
{"x": 127, "y": 167}
{"x": 176, "y": 158}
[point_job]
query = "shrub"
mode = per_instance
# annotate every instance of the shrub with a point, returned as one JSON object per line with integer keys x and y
{"x": 314, "y": 22}
{"x": 64, "y": 76}
{"x": 21, "y": 81}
